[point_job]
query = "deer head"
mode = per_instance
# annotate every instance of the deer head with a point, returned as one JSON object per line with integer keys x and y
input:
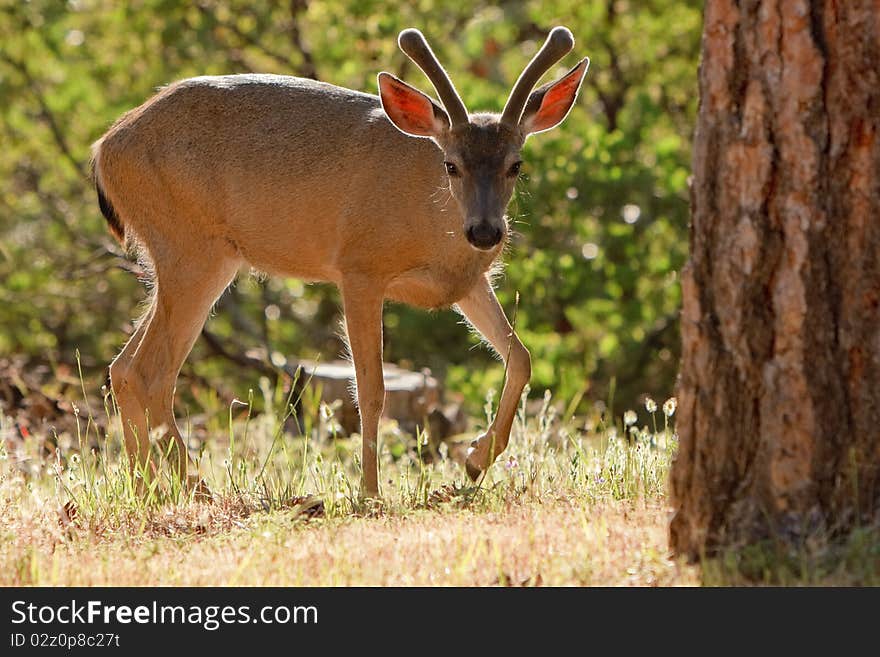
{"x": 482, "y": 150}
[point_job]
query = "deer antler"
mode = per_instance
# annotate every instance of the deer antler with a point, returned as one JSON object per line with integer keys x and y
{"x": 558, "y": 44}
{"x": 413, "y": 43}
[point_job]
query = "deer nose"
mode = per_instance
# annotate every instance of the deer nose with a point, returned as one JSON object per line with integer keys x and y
{"x": 483, "y": 235}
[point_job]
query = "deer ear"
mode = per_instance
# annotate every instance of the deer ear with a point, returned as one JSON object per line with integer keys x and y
{"x": 549, "y": 105}
{"x": 410, "y": 110}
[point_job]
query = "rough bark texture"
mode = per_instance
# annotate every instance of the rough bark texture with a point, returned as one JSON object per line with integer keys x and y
{"x": 779, "y": 392}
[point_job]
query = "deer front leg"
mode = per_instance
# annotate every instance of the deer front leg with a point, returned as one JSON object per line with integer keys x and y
{"x": 362, "y": 302}
{"x": 481, "y": 308}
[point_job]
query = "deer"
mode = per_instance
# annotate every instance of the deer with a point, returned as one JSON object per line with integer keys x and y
{"x": 390, "y": 197}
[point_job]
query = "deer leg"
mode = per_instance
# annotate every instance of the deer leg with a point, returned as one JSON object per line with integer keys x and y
{"x": 128, "y": 397}
{"x": 144, "y": 381}
{"x": 481, "y": 308}
{"x": 131, "y": 345}
{"x": 122, "y": 394}
{"x": 362, "y": 301}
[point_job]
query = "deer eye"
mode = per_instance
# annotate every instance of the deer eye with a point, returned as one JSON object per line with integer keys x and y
{"x": 451, "y": 169}
{"x": 514, "y": 169}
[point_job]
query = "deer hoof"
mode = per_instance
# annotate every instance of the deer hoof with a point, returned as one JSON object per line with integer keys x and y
{"x": 477, "y": 458}
{"x": 472, "y": 471}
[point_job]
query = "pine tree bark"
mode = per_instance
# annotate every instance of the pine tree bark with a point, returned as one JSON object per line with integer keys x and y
{"x": 779, "y": 390}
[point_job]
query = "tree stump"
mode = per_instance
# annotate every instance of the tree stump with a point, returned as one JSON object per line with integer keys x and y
{"x": 413, "y": 399}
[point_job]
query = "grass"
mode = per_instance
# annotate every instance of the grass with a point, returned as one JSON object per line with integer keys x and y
{"x": 850, "y": 560}
{"x": 569, "y": 503}
{"x": 565, "y": 505}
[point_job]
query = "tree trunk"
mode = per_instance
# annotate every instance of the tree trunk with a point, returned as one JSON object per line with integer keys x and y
{"x": 779, "y": 391}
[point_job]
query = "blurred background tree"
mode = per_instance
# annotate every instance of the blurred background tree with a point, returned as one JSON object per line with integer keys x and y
{"x": 600, "y": 219}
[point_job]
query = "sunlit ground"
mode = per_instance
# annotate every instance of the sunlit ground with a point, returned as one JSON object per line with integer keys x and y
{"x": 569, "y": 503}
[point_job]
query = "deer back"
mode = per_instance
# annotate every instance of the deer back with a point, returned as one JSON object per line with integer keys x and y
{"x": 303, "y": 178}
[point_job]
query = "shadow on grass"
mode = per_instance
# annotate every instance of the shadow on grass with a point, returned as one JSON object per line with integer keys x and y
{"x": 849, "y": 560}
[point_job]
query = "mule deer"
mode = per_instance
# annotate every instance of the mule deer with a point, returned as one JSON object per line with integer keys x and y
{"x": 389, "y": 197}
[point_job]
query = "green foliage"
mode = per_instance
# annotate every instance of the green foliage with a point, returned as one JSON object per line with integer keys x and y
{"x": 600, "y": 218}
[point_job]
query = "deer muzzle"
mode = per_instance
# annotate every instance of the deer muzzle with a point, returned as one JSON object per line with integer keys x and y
{"x": 484, "y": 236}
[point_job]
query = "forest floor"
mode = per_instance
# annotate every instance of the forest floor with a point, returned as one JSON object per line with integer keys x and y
{"x": 568, "y": 504}
{"x": 526, "y": 544}
{"x": 565, "y": 505}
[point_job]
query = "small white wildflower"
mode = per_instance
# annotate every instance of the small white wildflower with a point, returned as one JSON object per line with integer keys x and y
{"x": 650, "y": 405}
{"x": 669, "y": 406}
{"x": 629, "y": 418}
{"x": 511, "y": 463}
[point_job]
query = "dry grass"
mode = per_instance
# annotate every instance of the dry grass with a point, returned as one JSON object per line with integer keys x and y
{"x": 568, "y": 504}
{"x": 553, "y": 544}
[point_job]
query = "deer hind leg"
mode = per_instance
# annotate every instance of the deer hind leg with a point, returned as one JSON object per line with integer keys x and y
{"x": 143, "y": 376}
{"x": 481, "y": 308}
{"x": 128, "y": 397}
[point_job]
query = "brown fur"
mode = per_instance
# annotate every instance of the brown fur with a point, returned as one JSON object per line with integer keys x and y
{"x": 303, "y": 179}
